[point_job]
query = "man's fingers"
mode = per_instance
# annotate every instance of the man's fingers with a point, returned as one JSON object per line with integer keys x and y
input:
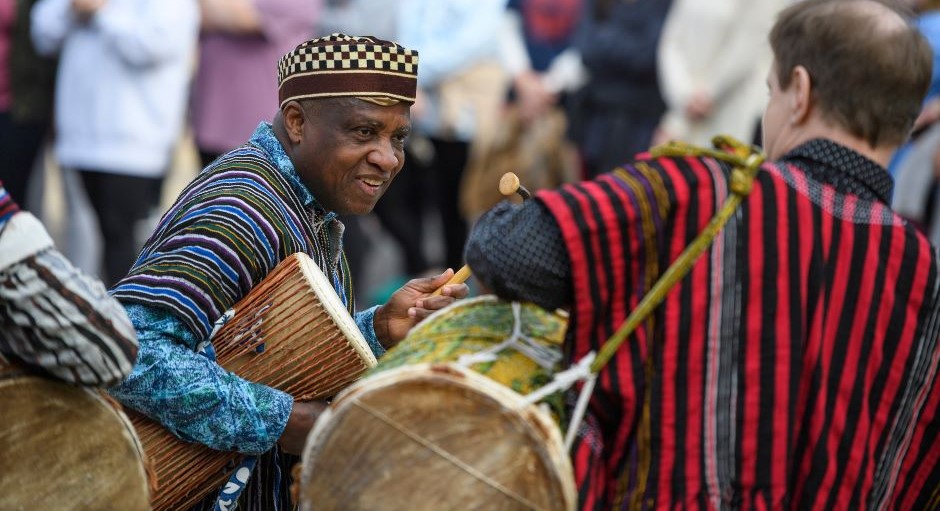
{"x": 456, "y": 290}
{"x": 419, "y": 313}
{"x": 434, "y": 302}
{"x": 431, "y": 284}
{"x": 442, "y": 279}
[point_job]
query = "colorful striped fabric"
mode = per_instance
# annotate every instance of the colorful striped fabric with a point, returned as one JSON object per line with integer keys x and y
{"x": 793, "y": 368}
{"x": 226, "y": 231}
{"x": 7, "y": 206}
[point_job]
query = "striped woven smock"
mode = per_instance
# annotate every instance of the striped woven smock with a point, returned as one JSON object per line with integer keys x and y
{"x": 228, "y": 229}
{"x": 7, "y": 206}
{"x": 794, "y": 367}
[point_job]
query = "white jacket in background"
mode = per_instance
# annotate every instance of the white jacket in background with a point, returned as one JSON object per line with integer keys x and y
{"x": 123, "y": 81}
{"x": 721, "y": 46}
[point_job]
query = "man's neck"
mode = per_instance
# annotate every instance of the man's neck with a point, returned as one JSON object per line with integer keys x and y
{"x": 280, "y": 133}
{"x": 819, "y": 129}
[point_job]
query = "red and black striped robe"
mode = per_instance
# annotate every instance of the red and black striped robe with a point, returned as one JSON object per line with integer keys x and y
{"x": 794, "y": 367}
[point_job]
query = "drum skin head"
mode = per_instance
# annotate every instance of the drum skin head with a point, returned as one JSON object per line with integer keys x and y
{"x": 66, "y": 448}
{"x": 432, "y": 437}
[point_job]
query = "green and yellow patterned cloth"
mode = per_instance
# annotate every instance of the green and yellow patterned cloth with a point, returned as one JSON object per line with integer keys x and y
{"x": 474, "y": 325}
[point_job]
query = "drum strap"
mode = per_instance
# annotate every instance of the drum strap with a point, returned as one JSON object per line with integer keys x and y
{"x": 228, "y": 496}
{"x": 746, "y": 162}
{"x": 563, "y": 381}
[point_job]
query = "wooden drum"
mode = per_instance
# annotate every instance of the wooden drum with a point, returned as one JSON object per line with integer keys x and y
{"x": 64, "y": 447}
{"x": 291, "y": 332}
{"x": 422, "y": 432}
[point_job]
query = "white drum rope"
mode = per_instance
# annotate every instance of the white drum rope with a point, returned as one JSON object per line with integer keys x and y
{"x": 546, "y": 358}
{"x": 219, "y": 323}
{"x": 565, "y": 380}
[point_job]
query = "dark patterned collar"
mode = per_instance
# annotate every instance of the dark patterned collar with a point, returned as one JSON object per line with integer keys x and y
{"x": 846, "y": 170}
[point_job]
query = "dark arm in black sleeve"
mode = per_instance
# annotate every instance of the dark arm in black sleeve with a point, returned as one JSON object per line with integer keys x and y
{"x": 517, "y": 251}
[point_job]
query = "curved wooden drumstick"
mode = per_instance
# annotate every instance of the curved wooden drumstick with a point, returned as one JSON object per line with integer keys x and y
{"x": 460, "y": 276}
{"x": 508, "y": 185}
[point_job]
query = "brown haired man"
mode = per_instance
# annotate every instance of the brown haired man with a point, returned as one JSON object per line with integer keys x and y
{"x": 795, "y": 364}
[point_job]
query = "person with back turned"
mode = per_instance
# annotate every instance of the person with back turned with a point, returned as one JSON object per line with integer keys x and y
{"x": 794, "y": 365}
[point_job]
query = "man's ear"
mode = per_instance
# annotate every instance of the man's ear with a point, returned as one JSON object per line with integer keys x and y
{"x": 293, "y": 121}
{"x": 801, "y": 95}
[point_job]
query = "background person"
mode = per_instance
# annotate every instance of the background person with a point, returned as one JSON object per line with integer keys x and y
{"x": 232, "y": 89}
{"x": 121, "y": 93}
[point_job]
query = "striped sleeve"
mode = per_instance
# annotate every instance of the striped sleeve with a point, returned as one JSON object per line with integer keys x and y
{"x": 61, "y": 320}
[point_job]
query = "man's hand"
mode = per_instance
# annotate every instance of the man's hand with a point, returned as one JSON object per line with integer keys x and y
{"x": 532, "y": 97}
{"x": 929, "y": 114}
{"x": 302, "y": 417}
{"x": 661, "y": 136}
{"x": 412, "y": 303}
{"x": 699, "y": 106}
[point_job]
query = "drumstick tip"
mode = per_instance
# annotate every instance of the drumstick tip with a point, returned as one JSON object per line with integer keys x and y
{"x": 508, "y": 184}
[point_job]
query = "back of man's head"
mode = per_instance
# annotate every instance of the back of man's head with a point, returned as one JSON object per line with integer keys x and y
{"x": 869, "y": 66}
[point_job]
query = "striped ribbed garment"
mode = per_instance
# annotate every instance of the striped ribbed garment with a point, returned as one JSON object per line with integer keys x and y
{"x": 7, "y": 206}
{"x": 794, "y": 367}
{"x": 227, "y": 230}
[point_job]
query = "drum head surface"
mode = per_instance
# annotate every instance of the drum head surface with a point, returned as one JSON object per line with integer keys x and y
{"x": 433, "y": 437}
{"x": 66, "y": 448}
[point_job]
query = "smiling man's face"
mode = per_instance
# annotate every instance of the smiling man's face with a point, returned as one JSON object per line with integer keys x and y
{"x": 350, "y": 151}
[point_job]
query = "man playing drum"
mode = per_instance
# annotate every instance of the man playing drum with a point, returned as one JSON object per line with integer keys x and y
{"x": 794, "y": 366}
{"x": 333, "y": 148}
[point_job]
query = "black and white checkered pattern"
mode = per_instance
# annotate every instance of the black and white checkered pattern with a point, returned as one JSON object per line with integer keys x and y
{"x": 341, "y": 52}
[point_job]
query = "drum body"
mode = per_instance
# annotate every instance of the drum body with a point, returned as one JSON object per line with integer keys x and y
{"x": 423, "y": 433}
{"x": 432, "y": 437}
{"x": 66, "y": 448}
{"x": 291, "y": 332}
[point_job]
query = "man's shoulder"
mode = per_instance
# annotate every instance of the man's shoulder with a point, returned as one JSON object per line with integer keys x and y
{"x": 246, "y": 170}
{"x": 248, "y": 158}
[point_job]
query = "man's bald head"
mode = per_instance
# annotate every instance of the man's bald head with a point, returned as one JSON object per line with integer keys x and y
{"x": 870, "y": 67}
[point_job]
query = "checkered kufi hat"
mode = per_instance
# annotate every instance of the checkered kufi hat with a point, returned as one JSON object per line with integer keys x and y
{"x": 342, "y": 65}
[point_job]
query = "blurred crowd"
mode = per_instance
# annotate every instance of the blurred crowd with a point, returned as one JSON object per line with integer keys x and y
{"x": 115, "y": 102}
